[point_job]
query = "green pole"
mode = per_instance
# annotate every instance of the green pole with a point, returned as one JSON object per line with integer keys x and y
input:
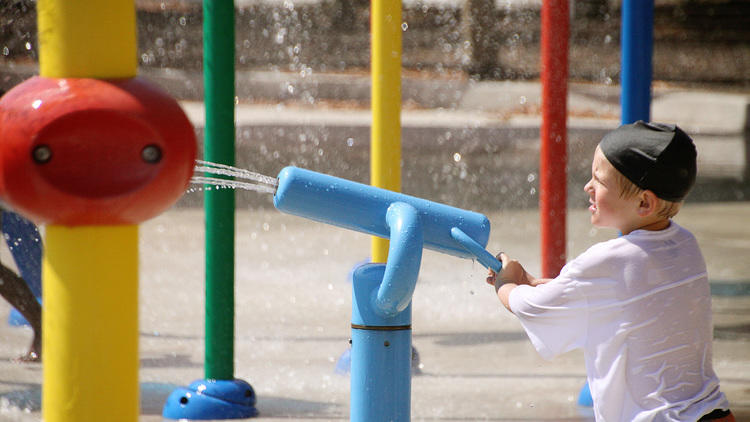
{"x": 218, "y": 71}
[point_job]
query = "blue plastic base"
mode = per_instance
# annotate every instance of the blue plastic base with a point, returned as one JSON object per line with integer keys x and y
{"x": 15, "y": 319}
{"x": 212, "y": 399}
{"x": 584, "y": 397}
{"x": 344, "y": 364}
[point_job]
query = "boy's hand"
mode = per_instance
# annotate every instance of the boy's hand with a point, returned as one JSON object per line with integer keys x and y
{"x": 511, "y": 276}
{"x": 512, "y": 272}
{"x": 508, "y": 279}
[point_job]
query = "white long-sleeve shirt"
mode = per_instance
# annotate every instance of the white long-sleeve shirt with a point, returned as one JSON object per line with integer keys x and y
{"x": 640, "y": 308}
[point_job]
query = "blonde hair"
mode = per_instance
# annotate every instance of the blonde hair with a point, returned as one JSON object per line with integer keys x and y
{"x": 629, "y": 190}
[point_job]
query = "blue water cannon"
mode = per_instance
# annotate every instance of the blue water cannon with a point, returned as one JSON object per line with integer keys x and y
{"x": 382, "y": 293}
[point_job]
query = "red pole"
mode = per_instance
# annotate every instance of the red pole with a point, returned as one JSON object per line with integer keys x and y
{"x": 553, "y": 152}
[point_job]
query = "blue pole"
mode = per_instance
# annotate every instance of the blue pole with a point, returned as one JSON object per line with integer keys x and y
{"x": 637, "y": 36}
{"x": 380, "y": 356}
{"x": 636, "y": 43}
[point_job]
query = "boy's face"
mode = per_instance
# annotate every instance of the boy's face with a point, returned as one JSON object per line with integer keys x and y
{"x": 607, "y": 208}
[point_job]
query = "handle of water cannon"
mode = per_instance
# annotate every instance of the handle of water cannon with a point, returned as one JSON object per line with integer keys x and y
{"x": 404, "y": 260}
{"x": 485, "y": 258}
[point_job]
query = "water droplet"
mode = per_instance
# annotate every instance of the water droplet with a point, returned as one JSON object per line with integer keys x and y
{"x": 280, "y": 36}
{"x": 349, "y": 141}
{"x": 531, "y": 177}
{"x": 28, "y": 46}
{"x": 36, "y": 104}
{"x": 404, "y": 26}
{"x": 456, "y": 157}
{"x": 522, "y": 100}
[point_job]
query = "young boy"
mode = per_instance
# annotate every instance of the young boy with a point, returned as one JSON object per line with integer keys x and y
{"x": 639, "y": 305}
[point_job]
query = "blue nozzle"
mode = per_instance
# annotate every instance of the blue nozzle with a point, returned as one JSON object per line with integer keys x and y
{"x": 484, "y": 257}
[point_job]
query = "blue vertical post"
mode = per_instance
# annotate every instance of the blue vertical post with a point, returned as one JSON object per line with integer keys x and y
{"x": 636, "y": 39}
{"x": 380, "y": 356}
{"x": 636, "y": 44}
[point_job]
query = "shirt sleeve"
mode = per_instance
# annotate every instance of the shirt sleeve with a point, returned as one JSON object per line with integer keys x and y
{"x": 554, "y": 316}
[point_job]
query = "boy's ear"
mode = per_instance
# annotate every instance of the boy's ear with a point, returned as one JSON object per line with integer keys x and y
{"x": 648, "y": 203}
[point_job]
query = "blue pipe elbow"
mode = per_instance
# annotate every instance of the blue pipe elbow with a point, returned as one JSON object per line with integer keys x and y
{"x": 404, "y": 260}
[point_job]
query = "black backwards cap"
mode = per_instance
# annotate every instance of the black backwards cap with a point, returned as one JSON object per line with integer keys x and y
{"x": 657, "y": 157}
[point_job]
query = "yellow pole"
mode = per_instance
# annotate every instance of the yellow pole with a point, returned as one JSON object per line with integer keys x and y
{"x": 89, "y": 273}
{"x": 87, "y": 39}
{"x": 90, "y": 323}
{"x": 385, "y": 135}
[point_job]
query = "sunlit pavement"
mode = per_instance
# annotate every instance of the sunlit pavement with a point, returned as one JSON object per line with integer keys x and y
{"x": 293, "y": 315}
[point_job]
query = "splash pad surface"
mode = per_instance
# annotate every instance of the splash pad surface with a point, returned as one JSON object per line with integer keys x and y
{"x": 293, "y": 321}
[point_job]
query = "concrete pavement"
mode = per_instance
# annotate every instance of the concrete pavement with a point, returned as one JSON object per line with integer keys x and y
{"x": 293, "y": 311}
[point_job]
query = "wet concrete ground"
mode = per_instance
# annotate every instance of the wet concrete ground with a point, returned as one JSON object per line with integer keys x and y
{"x": 293, "y": 313}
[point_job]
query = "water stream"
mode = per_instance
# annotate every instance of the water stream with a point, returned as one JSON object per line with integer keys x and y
{"x": 248, "y": 180}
